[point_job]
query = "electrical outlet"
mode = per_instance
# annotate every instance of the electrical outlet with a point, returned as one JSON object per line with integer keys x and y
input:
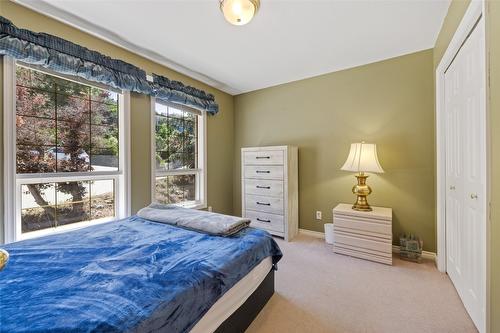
{"x": 318, "y": 215}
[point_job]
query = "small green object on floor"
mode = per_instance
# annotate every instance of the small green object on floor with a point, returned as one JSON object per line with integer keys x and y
{"x": 410, "y": 248}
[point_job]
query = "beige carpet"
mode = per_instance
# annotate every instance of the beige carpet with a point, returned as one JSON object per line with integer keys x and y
{"x": 320, "y": 291}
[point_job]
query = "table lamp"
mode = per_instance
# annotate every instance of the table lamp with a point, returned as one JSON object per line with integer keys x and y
{"x": 362, "y": 158}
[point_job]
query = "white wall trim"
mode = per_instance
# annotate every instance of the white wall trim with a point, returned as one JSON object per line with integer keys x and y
{"x": 152, "y": 114}
{"x": 9, "y": 151}
{"x": 77, "y": 22}
{"x": 203, "y": 155}
{"x": 395, "y": 248}
{"x": 311, "y": 233}
{"x": 125, "y": 192}
{"x": 425, "y": 254}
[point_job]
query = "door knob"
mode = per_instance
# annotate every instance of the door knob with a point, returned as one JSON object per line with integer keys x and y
{"x": 473, "y": 196}
{"x": 452, "y": 187}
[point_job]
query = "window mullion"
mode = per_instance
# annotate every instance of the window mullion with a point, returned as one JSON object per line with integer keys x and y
{"x": 12, "y": 227}
{"x": 56, "y": 202}
{"x": 41, "y": 177}
{"x": 90, "y": 130}
{"x": 56, "y": 101}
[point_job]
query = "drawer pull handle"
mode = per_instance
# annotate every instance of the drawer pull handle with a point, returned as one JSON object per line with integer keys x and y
{"x": 263, "y": 203}
{"x": 264, "y": 187}
{"x": 261, "y": 157}
{"x": 259, "y": 171}
{"x": 261, "y": 220}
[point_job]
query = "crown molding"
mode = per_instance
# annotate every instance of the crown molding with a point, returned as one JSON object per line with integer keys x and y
{"x": 45, "y": 8}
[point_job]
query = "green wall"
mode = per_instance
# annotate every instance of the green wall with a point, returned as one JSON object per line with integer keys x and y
{"x": 450, "y": 24}
{"x": 219, "y": 128}
{"x": 140, "y": 148}
{"x": 389, "y": 103}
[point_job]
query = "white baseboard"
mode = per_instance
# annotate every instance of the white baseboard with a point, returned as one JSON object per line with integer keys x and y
{"x": 395, "y": 248}
{"x": 425, "y": 254}
{"x": 311, "y": 233}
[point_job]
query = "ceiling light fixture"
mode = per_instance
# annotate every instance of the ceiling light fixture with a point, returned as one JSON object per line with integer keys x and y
{"x": 239, "y": 12}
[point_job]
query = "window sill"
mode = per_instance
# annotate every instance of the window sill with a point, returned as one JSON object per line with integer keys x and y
{"x": 63, "y": 229}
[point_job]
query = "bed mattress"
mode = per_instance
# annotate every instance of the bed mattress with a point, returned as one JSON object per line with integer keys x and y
{"x": 233, "y": 298}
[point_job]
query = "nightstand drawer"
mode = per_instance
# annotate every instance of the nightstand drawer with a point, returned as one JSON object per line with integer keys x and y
{"x": 264, "y": 171}
{"x": 266, "y": 187}
{"x": 363, "y": 226}
{"x": 363, "y": 242}
{"x": 264, "y": 204}
{"x": 381, "y": 257}
{"x": 263, "y": 157}
{"x": 266, "y": 221}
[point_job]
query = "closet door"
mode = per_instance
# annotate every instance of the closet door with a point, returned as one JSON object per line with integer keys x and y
{"x": 466, "y": 175}
{"x": 454, "y": 172}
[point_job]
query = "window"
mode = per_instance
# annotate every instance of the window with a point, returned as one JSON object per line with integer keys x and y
{"x": 67, "y": 154}
{"x": 179, "y": 155}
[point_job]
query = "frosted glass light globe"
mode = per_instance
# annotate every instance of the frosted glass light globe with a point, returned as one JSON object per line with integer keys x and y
{"x": 239, "y": 12}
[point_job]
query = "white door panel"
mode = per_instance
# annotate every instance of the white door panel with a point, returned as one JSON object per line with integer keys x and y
{"x": 466, "y": 175}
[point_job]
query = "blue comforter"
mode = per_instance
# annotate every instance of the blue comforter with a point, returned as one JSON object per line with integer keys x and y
{"x": 130, "y": 275}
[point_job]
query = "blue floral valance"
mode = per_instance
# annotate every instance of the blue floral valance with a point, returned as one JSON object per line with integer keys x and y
{"x": 65, "y": 57}
{"x": 176, "y": 92}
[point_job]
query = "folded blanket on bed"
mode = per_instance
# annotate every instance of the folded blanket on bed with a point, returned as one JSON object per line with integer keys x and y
{"x": 198, "y": 220}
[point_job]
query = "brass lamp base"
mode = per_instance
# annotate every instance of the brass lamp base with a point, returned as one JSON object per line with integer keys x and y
{"x": 4, "y": 258}
{"x": 362, "y": 191}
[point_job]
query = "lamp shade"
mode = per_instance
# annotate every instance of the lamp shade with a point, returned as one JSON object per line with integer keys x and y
{"x": 363, "y": 158}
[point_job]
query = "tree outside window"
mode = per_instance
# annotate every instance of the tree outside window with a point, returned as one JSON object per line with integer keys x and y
{"x": 176, "y": 154}
{"x": 64, "y": 127}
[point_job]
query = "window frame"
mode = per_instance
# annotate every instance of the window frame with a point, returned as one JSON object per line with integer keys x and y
{"x": 200, "y": 172}
{"x": 13, "y": 181}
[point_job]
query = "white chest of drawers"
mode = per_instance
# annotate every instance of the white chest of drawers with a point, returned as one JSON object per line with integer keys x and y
{"x": 269, "y": 187}
{"x": 366, "y": 235}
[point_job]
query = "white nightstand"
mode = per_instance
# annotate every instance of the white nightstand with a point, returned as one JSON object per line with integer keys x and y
{"x": 365, "y": 235}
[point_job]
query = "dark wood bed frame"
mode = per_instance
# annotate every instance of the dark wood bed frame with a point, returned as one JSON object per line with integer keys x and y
{"x": 239, "y": 321}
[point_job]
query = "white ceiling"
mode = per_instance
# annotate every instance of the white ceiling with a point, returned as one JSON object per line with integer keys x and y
{"x": 286, "y": 41}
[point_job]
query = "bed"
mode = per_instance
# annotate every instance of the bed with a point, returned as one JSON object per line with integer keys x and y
{"x": 135, "y": 275}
